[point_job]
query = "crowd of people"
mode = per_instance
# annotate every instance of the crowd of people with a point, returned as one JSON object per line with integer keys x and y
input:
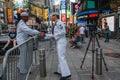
{"x": 81, "y": 32}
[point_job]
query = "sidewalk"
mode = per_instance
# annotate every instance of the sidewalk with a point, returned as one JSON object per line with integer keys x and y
{"x": 74, "y": 58}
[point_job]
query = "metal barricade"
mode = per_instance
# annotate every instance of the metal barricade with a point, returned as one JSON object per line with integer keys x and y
{"x": 47, "y": 44}
{"x": 10, "y": 70}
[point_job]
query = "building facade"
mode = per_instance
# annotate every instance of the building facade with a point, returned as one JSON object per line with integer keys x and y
{"x": 96, "y": 11}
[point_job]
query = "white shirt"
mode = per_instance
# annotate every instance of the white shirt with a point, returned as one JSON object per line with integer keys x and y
{"x": 23, "y": 32}
{"x": 59, "y": 30}
{"x": 49, "y": 30}
{"x": 82, "y": 30}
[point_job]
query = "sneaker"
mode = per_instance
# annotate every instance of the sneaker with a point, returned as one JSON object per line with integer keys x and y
{"x": 65, "y": 78}
{"x": 57, "y": 73}
{"x": 73, "y": 46}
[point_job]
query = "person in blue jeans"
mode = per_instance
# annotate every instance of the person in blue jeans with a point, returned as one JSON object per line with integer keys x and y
{"x": 107, "y": 33}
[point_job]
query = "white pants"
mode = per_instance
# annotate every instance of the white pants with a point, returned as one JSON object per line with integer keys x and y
{"x": 22, "y": 60}
{"x": 61, "y": 51}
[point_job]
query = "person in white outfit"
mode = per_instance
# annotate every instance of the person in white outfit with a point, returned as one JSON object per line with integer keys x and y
{"x": 23, "y": 32}
{"x": 59, "y": 33}
{"x": 82, "y": 34}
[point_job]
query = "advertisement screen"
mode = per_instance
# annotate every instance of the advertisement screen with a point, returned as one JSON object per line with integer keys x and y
{"x": 110, "y": 21}
{"x": 63, "y": 16}
{"x": 81, "y": 22}
{"x": 90, "y": 4}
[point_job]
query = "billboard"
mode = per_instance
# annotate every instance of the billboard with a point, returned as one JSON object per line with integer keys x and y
{"x": 81, "y": 22}
{"x": 90, "y": 4}
{"x": 63, "y": 17}
{"x": 9, "y": 15}
{"x": 110, "y": 21}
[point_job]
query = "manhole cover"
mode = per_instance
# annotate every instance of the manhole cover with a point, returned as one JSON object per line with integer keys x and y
{"x": 115, "y": 55}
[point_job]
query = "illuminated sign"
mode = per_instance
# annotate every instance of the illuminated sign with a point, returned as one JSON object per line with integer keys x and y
{"x": 76, "y": 6}
{"x": 81, "y": 22}
{"x": 63, "y": 17}
{"x": 63, "y": 4}
{"x": 110, "y": 21}
{"x": 9, "y": 15}
{"x": 93, "y": 15}
{"x": 107, "y": 10}
{"x": 87, "y": 12}
{"x": 90, "y": 4}
{"x": 84, "y": 16}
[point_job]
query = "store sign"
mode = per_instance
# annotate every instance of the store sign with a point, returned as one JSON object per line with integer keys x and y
{"x": 34, "y": 10}
{"x": 68, "y": 13}
{"x": 90, "y": 4}
{"x": 87, "y": 12}
{"x": 45, "y": 14}
{"x": 81, "y": 22}
{"x": 63, "y": 4}
{"x": 84, "y": 16}
{"x": 9, "y": 15}
{"x": 93, "y": 15}
{"x": 63, "y": 17}
{"x": 106, "y": 10}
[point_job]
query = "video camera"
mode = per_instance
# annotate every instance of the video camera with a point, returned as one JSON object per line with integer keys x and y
{"x": 92, "y": 27}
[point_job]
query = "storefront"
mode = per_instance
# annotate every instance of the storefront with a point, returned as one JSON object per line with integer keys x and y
{"x": 109, "y": 17}
{"x": 88, "y": 16}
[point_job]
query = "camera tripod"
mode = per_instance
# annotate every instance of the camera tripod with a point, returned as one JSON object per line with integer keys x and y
{"x": 93, "y": 38}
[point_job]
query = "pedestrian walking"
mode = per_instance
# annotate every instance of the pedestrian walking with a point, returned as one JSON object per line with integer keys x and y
{"x": 59, "y": 33}
{"x": 106, "y": 33}
{"x": 82, "y": 34}
{"x": 23, "y": 32}
{"x": 99, "y": 32}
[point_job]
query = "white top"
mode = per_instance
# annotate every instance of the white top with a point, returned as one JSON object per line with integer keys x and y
{"x": 23, "y": 32}
{"x": 59, "y": 30}
{"x": 82, "y": 30}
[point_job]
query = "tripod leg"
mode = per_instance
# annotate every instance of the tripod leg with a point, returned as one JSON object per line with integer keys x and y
{"x": 97, "y": 41}
{"x": 86, "y": 52}
{"x": 92, "y": 66}
{"x": 102, "y": 54}
{"x": 104, "y": 62}
{"x": 93, "y": 52}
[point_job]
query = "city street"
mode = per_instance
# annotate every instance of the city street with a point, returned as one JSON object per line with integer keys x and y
{"x": 26, "y": 23}
{"x": 74, "y": 58}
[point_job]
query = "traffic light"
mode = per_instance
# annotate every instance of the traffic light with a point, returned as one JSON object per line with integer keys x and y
{"x": 74, "y": 7}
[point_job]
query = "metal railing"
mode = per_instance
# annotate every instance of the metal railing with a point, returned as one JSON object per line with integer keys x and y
{"x": 10, "y": 70}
